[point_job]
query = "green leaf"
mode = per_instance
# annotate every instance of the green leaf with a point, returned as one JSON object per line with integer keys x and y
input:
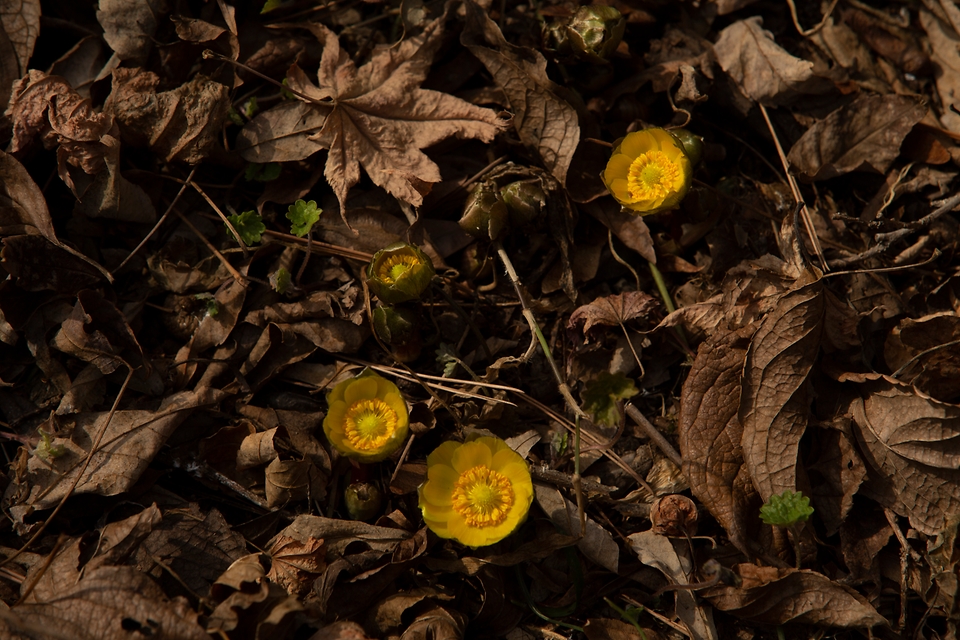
{"x": 449, "y": 360}
{"x": 786, "y": 509}
{"x": 249, "y": 225}
{"x": 280, "y": 280}
{"x": 270, "y": 5}
{"x": 234, "y": 116}
{"x": 262, "y": 172}
{"x": 303, "y": 215}
{"x": 250, "y": 107}
{"x": 213, "y": 307}
{"x": 601, "y": 395}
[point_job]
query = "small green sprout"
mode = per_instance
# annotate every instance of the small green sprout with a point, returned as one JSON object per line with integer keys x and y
{"x": 270, "y": 5}
{"x": 602, "y": 393}
{"x": 285, "y": 93}
{"x": 262, "y": 172}
{"x": 250, "y": 107}
{"x": 46, "y": 449}
{"x": 249, "y": 225}
{"x": 213, "y": 307}
{"x": 280, "y": 280}
{"x": 786, "y": 510}
{"x": 303, "y": 215}
{"x": 789, "y": 510}
{"x": 234, "y": 116}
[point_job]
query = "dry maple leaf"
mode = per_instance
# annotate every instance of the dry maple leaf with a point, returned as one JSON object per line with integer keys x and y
{"x": 375, "y": 115}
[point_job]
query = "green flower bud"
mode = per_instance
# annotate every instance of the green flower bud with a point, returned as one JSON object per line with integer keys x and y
{"x": 485, "y": 214}
{"x": 596, "y": 31}
{"x": 555, "y": 40}
{"x": 400, "y": 328}
{"x": 399, "y": 273}
{"x": 363, "y": 500}
{"x": 692, "y": 144}
{"x": 525, "y": 202}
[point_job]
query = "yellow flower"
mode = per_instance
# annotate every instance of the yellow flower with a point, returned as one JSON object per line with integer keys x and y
{"x": 399, "y": 273}
{"x": 367, "y": 418}
{"x": 648, "y": 171}
{"x": 477, "y": 492}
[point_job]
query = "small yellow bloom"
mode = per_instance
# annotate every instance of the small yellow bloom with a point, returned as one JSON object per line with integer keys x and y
{"x": 367, "y": 419}
{"x": 399, "y": 273}
{"x": 648, "y": 171}
{"x": 477, "y": 492}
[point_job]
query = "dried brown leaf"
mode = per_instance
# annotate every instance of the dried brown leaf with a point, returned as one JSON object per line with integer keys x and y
{"x": 670, "y": 557}
{"x": 763, "y": 70}
{"x": 377, "y": 116}
{"x": 46, "y": 106}
{"x": 944, "y": 51}
{"x": 20, "y": 21}
{"x": 606, "y": 629}
{"x": 111, "y": 603}
{"x": 288, "y": 481}
{"x": 613, "y": 311}
{"x": 295, "y": 565}
{"x": 912, "y": 442}
{"x": 82, "y": 64}
{"x": 194, "y": 547}
{"x": 629, "y": 229}
{"x": 283, "y": 133}
{"x": 131, "y": 440}
{"x": 96, "y": 332}
{"x": 337, "y": 534}
{"x": 436, "y": 624}
{"x": 182, "y": 124}
{"x": 835, "y": 476}
{"x": 775, "y": 395}
{"x": 864, "y": 135}
{"x": 924, "y": 352}
{"x": 777, "y": 596}
{"x": 129, "y": 25}
{"x": 544, "y": 121}
{"x": 597, "y": 543}
{"x": 257, "y": 449}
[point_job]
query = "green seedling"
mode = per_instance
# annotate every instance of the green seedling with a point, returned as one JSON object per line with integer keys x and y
{"x": 302, "y": 216}
{"x": 789, "y": 510}
{"x": 262, "y": 172}
{"x": 46, "y": 449}
{"x": 280, "y": 280}
{"x": 601, "y": 395}
{"x": 249, "y": 225}
{"x": 213, "y": 307}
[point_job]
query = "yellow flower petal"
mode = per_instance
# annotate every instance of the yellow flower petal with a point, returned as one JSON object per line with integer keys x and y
{"x": 443, "y": 454}
{"x": 648, "y": 171}
{"x": 470, "y": 455}
{"x": 364, "y": 388}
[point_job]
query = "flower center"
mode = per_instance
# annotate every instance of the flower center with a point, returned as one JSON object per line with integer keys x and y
{"x": 483, "y": 497}
{"x": 652, "y": 175}
{"x": 370, "y": 423}
{"x": 395, "y": 266}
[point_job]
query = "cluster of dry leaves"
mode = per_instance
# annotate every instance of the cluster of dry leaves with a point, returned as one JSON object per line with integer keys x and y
{"x": 160, "y": 400}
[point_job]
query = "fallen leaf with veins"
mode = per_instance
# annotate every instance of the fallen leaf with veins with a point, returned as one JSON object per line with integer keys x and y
{"x": 375, "y": 116}
{"x": 613, "y": 310}
{"x": 770, "y": 595}
{"x": 912, "y": 442}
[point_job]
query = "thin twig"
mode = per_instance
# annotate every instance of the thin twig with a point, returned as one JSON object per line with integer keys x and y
{"x": 225, "y": 219}
{"x": 795, "y": 188}
{"x": 163, "y": 218}
{"x": 654, "y": 434}
{"x": 226, "y": 263}
{"x": 886, "y": 240}
{"x": 83, "y": 468}
{"x": 809, "y": 32}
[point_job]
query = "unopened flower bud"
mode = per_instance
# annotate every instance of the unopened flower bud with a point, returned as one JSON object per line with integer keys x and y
{"x": 400, "y": 328}
{"x": 555, "y": 40}
{"x": 399, "y": 273}
{"x": 692, "y": 144}
{"x": 595, "y": 31}
{"x": 363, "y": 500}
{"x": 485, "y": 213}
{"x": 525, "y": 201}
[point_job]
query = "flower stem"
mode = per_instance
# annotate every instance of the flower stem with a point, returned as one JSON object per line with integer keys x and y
{"x": 668, "y": 303}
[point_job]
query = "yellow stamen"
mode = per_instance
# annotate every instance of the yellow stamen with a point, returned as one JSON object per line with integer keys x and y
{"x": 370, "y": 423}
{"x": 395, "y": 266}
{"x": 483, "y": 497}
{"x": 653, "y": 175}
